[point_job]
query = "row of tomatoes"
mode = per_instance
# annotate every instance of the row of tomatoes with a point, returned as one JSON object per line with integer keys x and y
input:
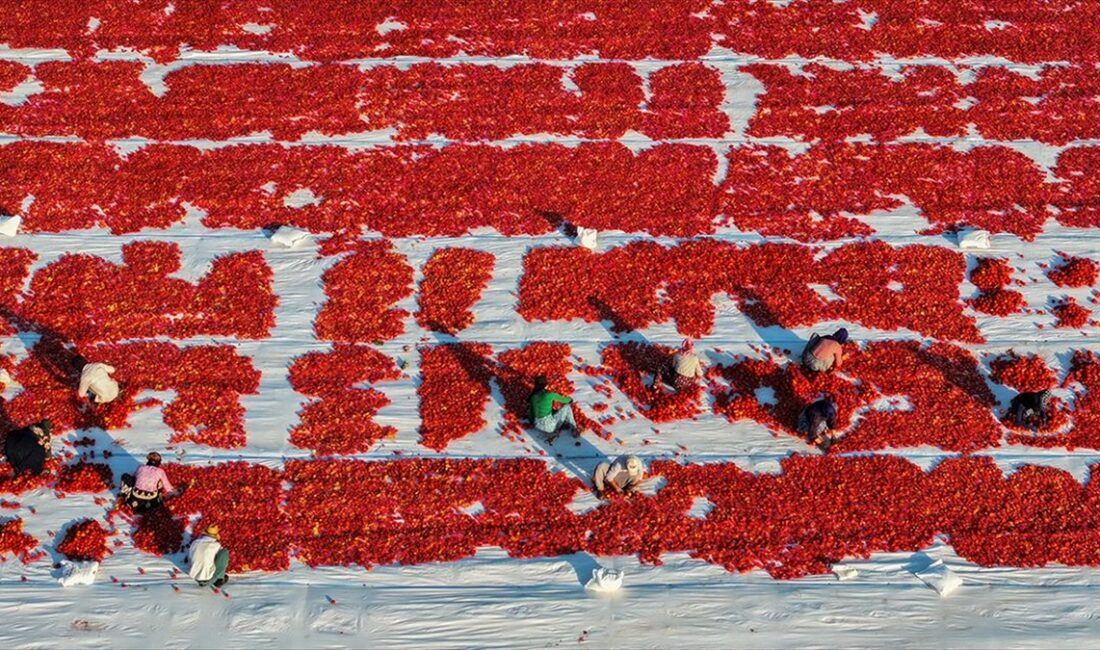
{"x": 947, "y": 401}
{"x": 1023, "y": 31}
{"x": 1054, "y": 106}
{"x": 814, "y": 512}
{"x": 105, "y": 100}
{"x": 668, "y": 189}
{"x": 638, "y": 284}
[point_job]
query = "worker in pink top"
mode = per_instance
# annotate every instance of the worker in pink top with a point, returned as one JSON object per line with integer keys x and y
{"x": 144, "y": 490}
{"x": 823, "y": 353}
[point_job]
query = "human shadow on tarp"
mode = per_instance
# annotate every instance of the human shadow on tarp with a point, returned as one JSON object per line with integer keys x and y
{"x": 583, "y": 564}
{"x": 765, "y": 323}
{"x": 614, "y": 323}
{"x": 57, "y": 354}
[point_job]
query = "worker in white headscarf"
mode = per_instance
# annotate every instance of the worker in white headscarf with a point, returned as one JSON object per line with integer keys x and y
{"x": 96, "y": 377}
{"x": 622, "y": 476}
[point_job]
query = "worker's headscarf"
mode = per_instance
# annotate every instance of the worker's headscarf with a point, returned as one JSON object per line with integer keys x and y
{"x": 212, "y": 531}
{"x": 634, "y": 466}
{"x": 841, "y": 335}
{"x": 687, "y": 346}
{"x": 153, "y": 459}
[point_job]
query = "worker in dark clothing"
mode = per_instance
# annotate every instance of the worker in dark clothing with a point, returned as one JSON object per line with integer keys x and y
{"x": 28, "y": 448}
{"x": 1033, "y": 404}
{"x": 817, "y": 422}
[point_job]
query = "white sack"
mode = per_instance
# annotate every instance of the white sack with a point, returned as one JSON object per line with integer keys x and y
{"x": 290, "y": 237}
{"x": 605, "y": 580}
{"x": 973, "y": 239}
{"x": 9, "y": 226}
{"x": 844, "y": 572}
{"x": 78, "y": 573}
{"x": 588, "y": 238}
{"x": 940, "y": 578}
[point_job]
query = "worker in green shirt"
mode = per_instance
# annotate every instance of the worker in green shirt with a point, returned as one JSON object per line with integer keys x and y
{"x": 546, "y": 419}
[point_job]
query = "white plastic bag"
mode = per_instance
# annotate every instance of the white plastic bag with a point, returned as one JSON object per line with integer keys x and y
{"x": 78, "y": 573}
{"x": 588, "y": 238}
{"x": 973, "y": 239}
{"x": 290, "y": 237}
{"x": 9, "y": 226}
{"x": 5, "y": 378}
{"x": 605, "y": 580}
{"x": 939, "y": 577}
{"x": 844, "y": 572}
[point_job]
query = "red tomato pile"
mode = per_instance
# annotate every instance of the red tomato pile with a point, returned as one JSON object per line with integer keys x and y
{"x": 453, "y": 281}
{"x": 243, "y": 500}
{"x": 410, "y": 512}
{"x": 998, "y": 302}
{"x": 667, "y": 189}
{"x": 661, "y": 29}
{"x": 15, "y": 264}
{"x": 84, "y": 298}
{"x": 453, "y": 391}
{"x": 455, "y": 388}
{"x": 340, "y": 421}
{"x": 64, "y": 479}
{"x": 1074, "y": 271}
{"x": 84, "y": 477}
{"x": 1076, "y": 196}
{"x": 84, "y": 540}
{"x": 15, "y": 542}
{"x": 107, "y": 99}
{"x": 991, "y": 273}
{"x": 1023, "y": 373}
{"x": 158, "y": 532}
{"x": 991, "y": 276}
{"x": 1070, "y": 314}
{"x": 464, "y": 101}
{"x": 793, "y": 389}
{"x": 1053, "y": 106}
{"x": 11, "y": 73}
{"x": 638, "y": 370}
{"x": 1036, "y": 30}
{"x": 808, "y": 196}
{"x": 25, "y": 482}
{"x": 343, "y": 512}
{"x": 361, "y": 289}
{"x": 623, "y": 286}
